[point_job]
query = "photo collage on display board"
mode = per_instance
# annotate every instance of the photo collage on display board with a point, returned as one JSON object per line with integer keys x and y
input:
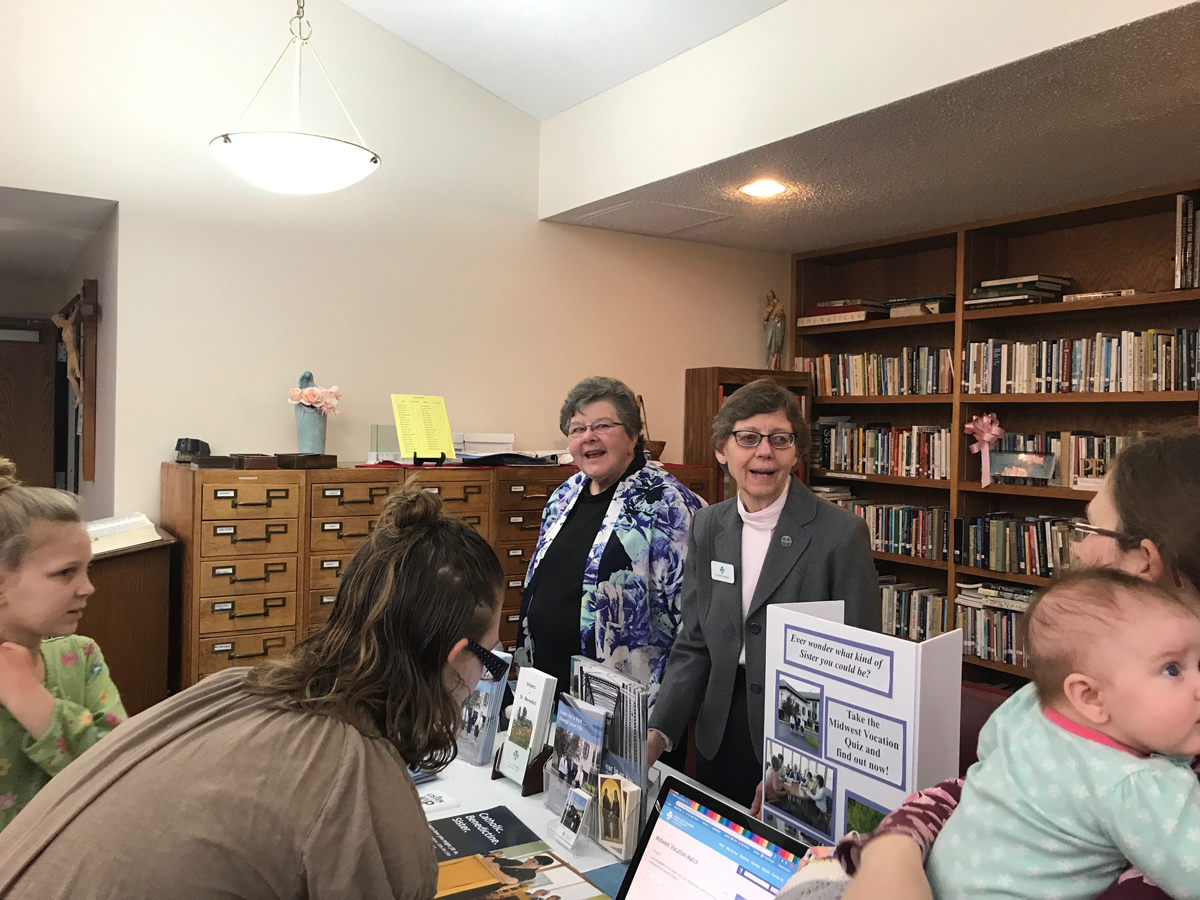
{"x": 856, "y": 721}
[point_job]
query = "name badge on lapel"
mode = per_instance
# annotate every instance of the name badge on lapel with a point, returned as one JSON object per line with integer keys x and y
{"x": 722, "y": 572}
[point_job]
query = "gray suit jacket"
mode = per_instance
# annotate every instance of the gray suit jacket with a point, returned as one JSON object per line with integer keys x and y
{"x": 819, "y": 551}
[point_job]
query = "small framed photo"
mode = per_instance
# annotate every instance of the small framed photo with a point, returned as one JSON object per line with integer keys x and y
{"x": 575, "y": 811}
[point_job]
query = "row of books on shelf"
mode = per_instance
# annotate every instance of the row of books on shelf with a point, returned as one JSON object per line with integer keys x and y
{"x": 916, "y": 370}
{"x": 1017, "y": 291}
{"x": 1001, "y": 542}
{"x": 998, "y": 542}
{"x": 838, "y": 312}
{"x": 1152, "y": 360}
{"x": 988, "y": 613}
{"x": 922, "y": 532}
{"x": 915, "y": 451}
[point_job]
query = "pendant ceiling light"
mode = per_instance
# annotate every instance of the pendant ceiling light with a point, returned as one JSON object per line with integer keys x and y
{"x": 285, "y": 156}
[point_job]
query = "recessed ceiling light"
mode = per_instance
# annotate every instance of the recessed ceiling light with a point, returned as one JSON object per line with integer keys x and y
{"x": 764, "y": 187}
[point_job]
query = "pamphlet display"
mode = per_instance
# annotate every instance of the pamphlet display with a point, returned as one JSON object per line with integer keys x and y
{"x": 855, "y": 722}
{"x": 575, "y": 812}
{"x": 481, "y": 718}
{"x": 530, "y": 723}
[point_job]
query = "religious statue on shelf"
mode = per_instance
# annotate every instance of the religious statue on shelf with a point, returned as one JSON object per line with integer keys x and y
{"x": 773, "y": 328}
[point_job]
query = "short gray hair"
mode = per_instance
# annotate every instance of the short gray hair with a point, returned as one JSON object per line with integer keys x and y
{"x": 756, "y": 398}
{"x": 597, "y": 389}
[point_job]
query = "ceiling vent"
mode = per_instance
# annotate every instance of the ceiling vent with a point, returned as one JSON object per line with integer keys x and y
{"x": 649, "y": 217}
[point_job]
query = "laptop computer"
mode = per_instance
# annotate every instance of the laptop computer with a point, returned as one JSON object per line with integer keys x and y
{"x": 696, "y": 845}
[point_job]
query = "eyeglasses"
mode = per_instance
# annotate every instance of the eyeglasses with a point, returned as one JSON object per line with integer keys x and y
{"x": 494, "y": 668}
{"x": 1082, "y": 528}
{"x": 779, "y": 440}
{"x": 600, "y": 429}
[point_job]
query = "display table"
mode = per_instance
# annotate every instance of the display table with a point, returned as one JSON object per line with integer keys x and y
{"x": 475, "y": 791}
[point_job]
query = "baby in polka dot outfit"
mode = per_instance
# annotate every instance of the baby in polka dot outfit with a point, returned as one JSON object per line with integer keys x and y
{"x": 1086, "y": 769}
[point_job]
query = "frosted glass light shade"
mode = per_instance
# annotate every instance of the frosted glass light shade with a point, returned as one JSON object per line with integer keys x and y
{"x": 289, "y": 162}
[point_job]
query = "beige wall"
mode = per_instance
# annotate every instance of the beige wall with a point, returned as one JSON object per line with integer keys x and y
{"x": 98, "y": 260}
{"x": 27, "y": 295}
{"x": 432, "y": 276}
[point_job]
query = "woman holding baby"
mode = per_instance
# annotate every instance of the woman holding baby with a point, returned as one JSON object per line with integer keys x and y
{"x": 1089, "y": 766}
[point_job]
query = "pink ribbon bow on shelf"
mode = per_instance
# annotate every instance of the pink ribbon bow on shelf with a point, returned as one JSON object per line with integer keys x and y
{"x": 987, "y": 431}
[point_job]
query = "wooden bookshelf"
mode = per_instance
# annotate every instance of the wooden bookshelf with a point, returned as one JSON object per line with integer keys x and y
{"x": 880, "y": 400}
{"x": 1097, "y": 397}
{"x": 988, "y": 574}
{"x": 1078, "y": 307}
{"x": 904, "y": 560}
{"x": 877, "y": 324}
{"x": 1019, "y": 671}
{"x": 1110, "y": 243}
{"x": 937, "y": 483}
{"x": 1027, "y": 490}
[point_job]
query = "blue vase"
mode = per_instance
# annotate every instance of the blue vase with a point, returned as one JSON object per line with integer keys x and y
{"x": 310, "y": 429}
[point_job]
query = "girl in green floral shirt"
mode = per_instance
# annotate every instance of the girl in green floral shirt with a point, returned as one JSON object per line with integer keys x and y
{"x": 56, "y": 696}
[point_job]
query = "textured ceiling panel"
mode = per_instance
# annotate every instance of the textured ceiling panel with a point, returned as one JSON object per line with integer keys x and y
{"x": 650, "y": 217}
{"x": 544, "y": 56}
{"x": 1115, "y": 112}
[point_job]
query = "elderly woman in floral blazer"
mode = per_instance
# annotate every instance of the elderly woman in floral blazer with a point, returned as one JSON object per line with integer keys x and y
{"x": 605, "y": 577}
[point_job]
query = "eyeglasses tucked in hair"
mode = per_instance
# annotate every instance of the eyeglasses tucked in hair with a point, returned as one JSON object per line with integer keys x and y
{"x": 494, "y": 668}
{"x": 600, "y": 429}
{"x": 1082, "y": 528}
{"x": 779, "y": 440}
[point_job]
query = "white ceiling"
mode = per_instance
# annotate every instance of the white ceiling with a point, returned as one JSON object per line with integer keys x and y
{"x": 545, "y": 56}
{"x": 41, "y": 234}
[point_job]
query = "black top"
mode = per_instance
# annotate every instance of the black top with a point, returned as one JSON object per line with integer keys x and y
{"x": 555, "y": 606}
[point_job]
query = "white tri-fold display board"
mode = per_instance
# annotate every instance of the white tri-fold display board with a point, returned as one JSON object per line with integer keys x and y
{"x": 855, "y": 720}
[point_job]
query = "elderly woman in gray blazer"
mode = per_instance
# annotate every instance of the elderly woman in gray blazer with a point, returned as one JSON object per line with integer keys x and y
{"x": 773, "y": 543}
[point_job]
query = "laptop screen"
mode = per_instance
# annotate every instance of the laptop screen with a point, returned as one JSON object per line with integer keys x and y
{"x": 695, "y": 852}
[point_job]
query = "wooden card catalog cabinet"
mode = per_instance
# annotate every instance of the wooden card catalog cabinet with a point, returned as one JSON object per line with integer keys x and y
{"x": 238, "y": 567}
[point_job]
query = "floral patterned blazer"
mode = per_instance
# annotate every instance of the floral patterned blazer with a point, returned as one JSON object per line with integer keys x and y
{"x": 629, "y": 600}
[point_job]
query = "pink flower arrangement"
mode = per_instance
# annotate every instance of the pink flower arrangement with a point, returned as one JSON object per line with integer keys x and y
{"x": 324, "y": 400}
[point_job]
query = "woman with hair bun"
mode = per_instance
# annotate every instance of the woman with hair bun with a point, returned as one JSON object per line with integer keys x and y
{"x": 288, "y": 779}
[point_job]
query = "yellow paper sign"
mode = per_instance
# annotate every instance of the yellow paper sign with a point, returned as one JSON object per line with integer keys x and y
{"x": 422, "y": 426}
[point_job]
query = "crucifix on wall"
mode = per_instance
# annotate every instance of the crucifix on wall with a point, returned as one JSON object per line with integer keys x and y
{"x": 78, "y": 322}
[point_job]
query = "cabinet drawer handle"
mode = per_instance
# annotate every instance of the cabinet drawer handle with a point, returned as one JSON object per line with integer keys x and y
{"x": 268, "y": 570}
{"x": 267, "y": 644}
{"x": 534, "y": 526}
{"x": 269, "y": 603}
{"x": 472, "y": 520}
{"x": 468, "y": 491}
{"x": 265, "y": 539}
{"x": 537, "y": 496}
{"x": 352, "y": 534}
{"x": 372, "y": 494}
{"x": 272, "y": 494}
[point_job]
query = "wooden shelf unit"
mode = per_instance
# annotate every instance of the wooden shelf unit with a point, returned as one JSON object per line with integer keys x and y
{"x": 941, "y": 484}
{"x": 1126, "y": 241}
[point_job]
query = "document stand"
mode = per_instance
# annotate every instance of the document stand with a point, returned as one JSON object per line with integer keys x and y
{"x": 436, "y": 460}
{"x": 533, "y": 782}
